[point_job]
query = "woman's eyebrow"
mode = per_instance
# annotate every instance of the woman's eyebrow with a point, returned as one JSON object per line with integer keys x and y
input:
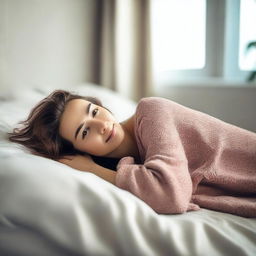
{"x": 81, "y": 125}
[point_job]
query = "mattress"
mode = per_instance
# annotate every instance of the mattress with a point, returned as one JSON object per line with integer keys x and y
{"x": 47, "y": 208}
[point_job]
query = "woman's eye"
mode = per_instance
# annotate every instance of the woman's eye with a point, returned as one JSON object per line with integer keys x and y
{"x": 95, "y": 111}
{"x": 84, "y": 133}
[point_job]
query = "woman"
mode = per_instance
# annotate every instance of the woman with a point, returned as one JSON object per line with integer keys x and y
{"x": 174, "y": 158}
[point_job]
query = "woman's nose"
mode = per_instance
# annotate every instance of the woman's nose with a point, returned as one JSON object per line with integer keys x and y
{"x": 101, "y": 126}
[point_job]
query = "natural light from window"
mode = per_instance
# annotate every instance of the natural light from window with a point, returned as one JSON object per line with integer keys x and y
{"x": 178, "y": 34}
{"x": 247, "y": 59}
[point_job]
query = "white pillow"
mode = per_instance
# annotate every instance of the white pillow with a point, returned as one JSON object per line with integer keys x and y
{"x": 15, "y": 105}
{"x": 47, "y": 208}
{"x": 120, "y": 106}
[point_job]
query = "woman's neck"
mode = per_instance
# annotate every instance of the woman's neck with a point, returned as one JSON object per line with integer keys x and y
{"x": 129, "y": 145}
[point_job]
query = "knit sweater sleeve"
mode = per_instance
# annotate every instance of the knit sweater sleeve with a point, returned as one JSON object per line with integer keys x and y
{"x": 162, "y": 180}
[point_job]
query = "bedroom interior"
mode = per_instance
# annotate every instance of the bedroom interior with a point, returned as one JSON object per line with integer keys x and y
{"x": 106, "y": 49}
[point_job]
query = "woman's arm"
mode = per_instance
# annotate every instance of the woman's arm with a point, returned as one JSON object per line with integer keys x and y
{"x": 86, "y": 164}
{"x": 162, "y": 180}
{"x": 104, "y": 173}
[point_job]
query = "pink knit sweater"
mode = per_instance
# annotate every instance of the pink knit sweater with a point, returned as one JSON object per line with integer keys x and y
{"x": 190, "y": 160}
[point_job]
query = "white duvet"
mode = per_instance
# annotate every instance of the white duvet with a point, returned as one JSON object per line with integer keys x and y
{"x": 47, "y": 208}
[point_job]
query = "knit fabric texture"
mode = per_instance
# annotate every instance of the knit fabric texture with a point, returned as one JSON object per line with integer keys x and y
{"x": 190, "y": 160}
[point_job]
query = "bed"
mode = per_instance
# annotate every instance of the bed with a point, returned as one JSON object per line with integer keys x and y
{"x": 47, "y": 208}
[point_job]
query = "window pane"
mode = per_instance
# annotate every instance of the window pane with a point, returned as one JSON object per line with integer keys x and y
{"x": 247, "y": 59}
{"x": 178, "y": 34}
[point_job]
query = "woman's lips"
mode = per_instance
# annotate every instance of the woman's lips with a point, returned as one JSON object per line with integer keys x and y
{"x": 112, "y": 133}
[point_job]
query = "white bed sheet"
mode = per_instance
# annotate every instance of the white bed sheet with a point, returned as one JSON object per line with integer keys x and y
{"x": 47, "y": 208}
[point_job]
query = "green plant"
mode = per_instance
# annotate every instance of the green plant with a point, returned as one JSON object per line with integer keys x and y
{"x": 252, "y": 75}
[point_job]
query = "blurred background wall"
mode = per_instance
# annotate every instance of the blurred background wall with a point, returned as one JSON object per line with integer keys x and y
{"x": 62, "y": 43}
{"x": 45, "y": 42}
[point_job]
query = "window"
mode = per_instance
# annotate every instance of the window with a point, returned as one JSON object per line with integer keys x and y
{"x": 179, "y": 34}
{"x": 202, "y": 39}
{"x": 247, "y": 59}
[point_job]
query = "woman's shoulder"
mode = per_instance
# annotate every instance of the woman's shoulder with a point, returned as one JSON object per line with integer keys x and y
{"x": 152, "y": 100}
{"x": 153, "y": 109}
{"x": 152, "y": 104}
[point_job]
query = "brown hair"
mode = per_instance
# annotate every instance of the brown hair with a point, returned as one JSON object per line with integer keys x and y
{"x": 40, "y": 131}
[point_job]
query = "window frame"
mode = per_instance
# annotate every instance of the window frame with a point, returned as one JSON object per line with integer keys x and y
{"x": 222, "y": 50}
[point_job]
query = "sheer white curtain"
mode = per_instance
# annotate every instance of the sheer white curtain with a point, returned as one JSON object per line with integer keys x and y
{"x": 123, "y": 47}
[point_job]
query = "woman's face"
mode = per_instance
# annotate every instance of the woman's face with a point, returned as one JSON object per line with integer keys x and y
{"x": 90, "y": 128}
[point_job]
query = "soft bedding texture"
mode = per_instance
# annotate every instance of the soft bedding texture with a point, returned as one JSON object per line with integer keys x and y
{"x": 47, "y": 208}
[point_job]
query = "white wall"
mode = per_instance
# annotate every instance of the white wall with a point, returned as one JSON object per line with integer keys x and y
{"x": 48, "y": 42}
{"x": 232, "y": 104}
{"x": 45, "y": 42}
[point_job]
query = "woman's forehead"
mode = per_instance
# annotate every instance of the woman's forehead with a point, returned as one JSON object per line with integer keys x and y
{"x": 76, "y": 105}
{"x": 74, "y": 112}
{"x": 77, "y": 102}
{"x": 75, "y": 109}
